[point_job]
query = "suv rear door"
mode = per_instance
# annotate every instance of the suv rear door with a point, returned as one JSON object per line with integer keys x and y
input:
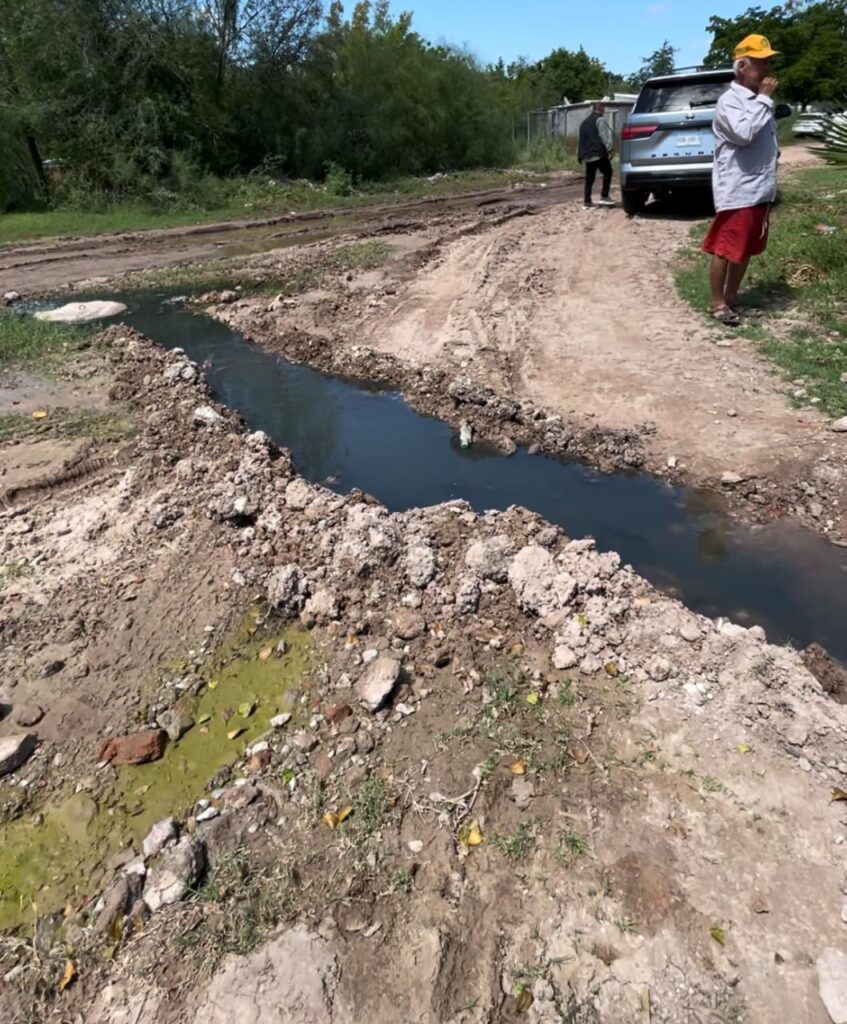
{"x": 672, "y": 119}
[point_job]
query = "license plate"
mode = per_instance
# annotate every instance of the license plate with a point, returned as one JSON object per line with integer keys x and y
{"x": 689, "y": 141}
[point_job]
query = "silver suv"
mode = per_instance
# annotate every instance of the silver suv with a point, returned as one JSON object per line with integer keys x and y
{"x": 667, "y": 142}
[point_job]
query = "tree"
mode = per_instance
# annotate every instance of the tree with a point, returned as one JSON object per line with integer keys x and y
{"x": 660, "y": 62}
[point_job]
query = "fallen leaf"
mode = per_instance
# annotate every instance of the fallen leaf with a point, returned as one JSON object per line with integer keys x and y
{"x": 470, "y": 834}
{"x": 246, "y": 709}
{"x": 580, "y": 755}
{"x": 517, "y": 650}
{"x": 203, "y": 719}
{"x": 330, "y": 820}
{"x": 719, "y": 935}
{"x": 612, "y": 669}
{"x": 252, "y": 631}
{"x": 744, "y": 748}
{"x": 213, "y": 684}
{"x": 68, "y": 977}
{"x": 204, "y": 729}
{"x": 265, "y": 653}
{"x": 838, "y": 794}
{"x": 233, "y": 734}
{"x": 533, "y": 699}
{"x": 226, "y": 714}
{"x": 344, "y": 814}
{"x": 40, "y": 414}
{"x": 286, "y": 776}
{"x": 524, "y": 1001}
{"x": 518, "y": 767}
{"x": 142, "y": 790}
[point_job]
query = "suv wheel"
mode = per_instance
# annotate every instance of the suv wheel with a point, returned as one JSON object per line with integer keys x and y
{"x": 634, "y": 200}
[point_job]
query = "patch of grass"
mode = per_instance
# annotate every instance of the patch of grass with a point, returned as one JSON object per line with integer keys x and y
{"x": 711, "y": 785}
{"x": 242, "y": 198}
{"x": 373, "y": 802}
{"x": 564, "y": 693}
{"x": 554, "y": 153}
{"x": 402, "y": 881}
{"x": 803, "y": 275}
{"x": 102, "y": 426}
{"x": 37, "y": 345}
{"x": 517, "y": 845}
{"x": 488, "y": 767}
{"x": 571, "y": 845}
{"x": 15, "y": 570}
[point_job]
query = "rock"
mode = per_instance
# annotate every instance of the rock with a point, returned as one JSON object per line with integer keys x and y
{"x": 298, "y": 494}
{"x": 490, "y": 558}
{"x": 162, "y": 834}
{"x": 538, "y": 587}
{"x": 690, "y": 632}
{"x": 522, "y": 791}
{"x": 175, "y": 723}
{"x": 507, "y": 445}
{"x": 659, "y": 669}
{"x": 118, "y": 901}
{"x": 304, "y": 741}
{"x": 797, "y": 734}
{"x": 81, "y": 312}
{"x": 287, "y": 588}
{"x": 206, "y": 416}
{"x": 564, "y": 658}
{"x": 829, "y": 673}
{"x": 29, "y": 715}
{"x": 731, "y": 479}
{"x": 227, "y": 297}
{"x": 832, "y": 984}
{"x": 321, "y": 606}
{"x": 468, "y": 593}
{"x": 364, "y": 742}
{"x": 415, "y": 846}
{"x": 335, "y": 713}
{"x": 10, "y": 298}
{"x": 178, "y": 870}
{"x": 15, "y": 751}
{"x": 839, "y": 426}
{"x": 259, "y": 761}
{"x": 465, "y": 434}
{"x": 280, "y": 721}
{"x": 379, "y": 679}
{"x": 239, "y": 797}
{"x": 408, "y": 624}
{"x": 291, "y": 980}
{"x": 420, "y": 565}
{"x": 208, "y": 814}
{"x": 137, "y": 748}
{"x": 52, "y": 667}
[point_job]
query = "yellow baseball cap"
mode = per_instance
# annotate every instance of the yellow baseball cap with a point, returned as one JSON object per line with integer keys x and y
{"x": 755, "y": 47}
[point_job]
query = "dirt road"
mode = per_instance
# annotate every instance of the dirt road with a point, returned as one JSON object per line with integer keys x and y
{"x": 67, "y": 262}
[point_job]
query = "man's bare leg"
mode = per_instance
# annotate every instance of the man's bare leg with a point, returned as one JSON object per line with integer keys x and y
{"x": 734, "y": 276}
{"x": 718, "y": 277}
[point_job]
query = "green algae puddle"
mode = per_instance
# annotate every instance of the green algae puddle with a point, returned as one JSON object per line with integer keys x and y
{"x": 65, "y": 860}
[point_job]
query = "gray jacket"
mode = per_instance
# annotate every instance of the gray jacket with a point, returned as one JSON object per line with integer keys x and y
{"x": 746, "y": 151}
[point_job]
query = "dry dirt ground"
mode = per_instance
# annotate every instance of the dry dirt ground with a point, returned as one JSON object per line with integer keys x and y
{"x": 518, "y": 784}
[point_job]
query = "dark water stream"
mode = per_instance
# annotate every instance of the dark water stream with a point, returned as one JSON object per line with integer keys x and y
{"x": 348, "y": 435}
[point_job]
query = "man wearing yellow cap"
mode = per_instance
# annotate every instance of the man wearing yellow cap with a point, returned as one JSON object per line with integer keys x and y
{"x": 744, "y": 174}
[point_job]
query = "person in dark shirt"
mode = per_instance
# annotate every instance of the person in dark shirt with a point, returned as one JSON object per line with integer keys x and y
{"x": 596, "y": 145}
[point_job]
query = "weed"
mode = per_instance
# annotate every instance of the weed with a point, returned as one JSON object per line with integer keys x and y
{"x": 36, "y": 344}
{"x": 401, "y": 881}
{"x": 489, "y": 766}
{"x": 564, "y": 694}
{"x": 625, "y": 925}
{"x": 517, "y": 845}
{"x": 15, "y": 570}
{"x": 711, "y": 785}
{"x": 372, "y": 805}
{"x": 571, "y": 845}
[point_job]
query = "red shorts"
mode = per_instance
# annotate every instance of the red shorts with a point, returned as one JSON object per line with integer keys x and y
{"x": 736, "y": 235}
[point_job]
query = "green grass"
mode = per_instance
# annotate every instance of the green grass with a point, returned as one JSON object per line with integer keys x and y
{"x": 517, "y": 845}
{"x": 239, "y": 199}
{"x": 102, "y": 426}
{"x": 554, "y": 153}
{"x": 802, "y": 278}
{"x": 33, "y": 344}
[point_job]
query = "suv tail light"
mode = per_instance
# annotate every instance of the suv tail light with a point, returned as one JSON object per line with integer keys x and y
{"x": 638, "y": 131}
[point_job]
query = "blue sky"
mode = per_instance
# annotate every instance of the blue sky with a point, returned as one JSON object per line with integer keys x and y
{"x": 619, "y": 32}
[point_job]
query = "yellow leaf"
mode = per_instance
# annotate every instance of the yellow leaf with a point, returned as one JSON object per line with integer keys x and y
{"x": 246, "y": 709}
{"x": 471, "y": 834}
{"x": 533, "y": 699}
{"x": 524, "y": 1001}
{"x": 265, "y": 653}
{"x": 344, "y": 814}
{"x": 40, "y": 414}
{"x": 745, "y": 748}
{"x": 213, "y": 684}
{"x": 233, "y": 734}
{"x": 517, "y": 650}
{"x": 612, "y": 669}
{"x": 330, "y": 820}
{"x": 518, "y": 767}
{"x": 719, "y": 935}
{"x": 203, "y": 719}
{"x": 68, "y": 977}
{"x": 838, "y": 794}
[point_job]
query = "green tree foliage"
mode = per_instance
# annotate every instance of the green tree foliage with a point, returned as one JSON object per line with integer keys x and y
{"x": 812, "y": 39}
{"x": 660, "y": 62}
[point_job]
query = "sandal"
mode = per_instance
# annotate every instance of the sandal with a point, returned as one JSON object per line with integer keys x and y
{"x": 727, "y": 316}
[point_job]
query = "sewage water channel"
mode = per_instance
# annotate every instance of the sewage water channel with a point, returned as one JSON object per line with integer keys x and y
{"x": 347, "y": 434}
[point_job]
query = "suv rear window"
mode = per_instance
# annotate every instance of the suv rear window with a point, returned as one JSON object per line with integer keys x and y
{"x": 681, "y": 94}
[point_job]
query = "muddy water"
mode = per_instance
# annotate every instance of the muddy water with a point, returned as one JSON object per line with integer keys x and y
{"x": 346, "y": 435}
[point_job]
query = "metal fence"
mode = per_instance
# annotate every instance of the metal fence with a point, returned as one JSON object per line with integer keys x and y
{"x": 565, "y": 120}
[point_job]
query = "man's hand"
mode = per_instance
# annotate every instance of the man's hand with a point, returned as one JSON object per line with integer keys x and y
{"x": 769, "y": 86}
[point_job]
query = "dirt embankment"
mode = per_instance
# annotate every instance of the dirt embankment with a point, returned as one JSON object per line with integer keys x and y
{"x": 516, "y": 782}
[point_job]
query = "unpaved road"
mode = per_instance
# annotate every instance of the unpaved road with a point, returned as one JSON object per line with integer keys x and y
{"x": 65, "y": 262}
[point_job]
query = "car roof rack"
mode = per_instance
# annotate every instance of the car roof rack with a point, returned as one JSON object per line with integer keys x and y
{"x": 688, "y": 70}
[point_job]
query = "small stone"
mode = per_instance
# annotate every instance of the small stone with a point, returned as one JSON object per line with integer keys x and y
{"x": 258, "y": 761}
{"x": 415, "y": 846}
{"x": 758, "y": 633}
{"x": 10, "y": 297}
{"x": 364, "y": 742}
{"x": 208, "y": 815}
{"x": 839, "y": 426}
{"x": 227, "y": 297}
{"x": 832, "y": 984}
{"x": 335, "y": 713}
{"x": 659, "y": 669}
{"x": 322, "y": 606}
{"x": 52, "y": 667}
{"x": 420, "y": 565}
{"x": 205, "y": 416}
{"x": 280, "y": 721}
{"x": 304, "y": 741}
{"x": 805, "y": 764}
{"x": 490, "y": 558}
{"x": 522, "y": 791}
{"x": 29, "y": 715}
{"x": 468, "y": 593}
{"x": 732, "y": 413}
{"x": 797, "y": 734}
{"x": 690, "y": 632}
{"x": 175, "y": 875}
{"x": 377, "y": 682}
{"x": 731, "y": 479}
{"x": 408, "y": 624}
{"x": 162, "y": 834}
{"x": 239, "y": 797}
{"x": 176, "y": 724}
{"x": 564, "y": 658}
{"x": 673, "y": 462}
{"x": 137, "y": 748}
{"x": 15, "y": 751}
{"x": 117, "y": 902}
